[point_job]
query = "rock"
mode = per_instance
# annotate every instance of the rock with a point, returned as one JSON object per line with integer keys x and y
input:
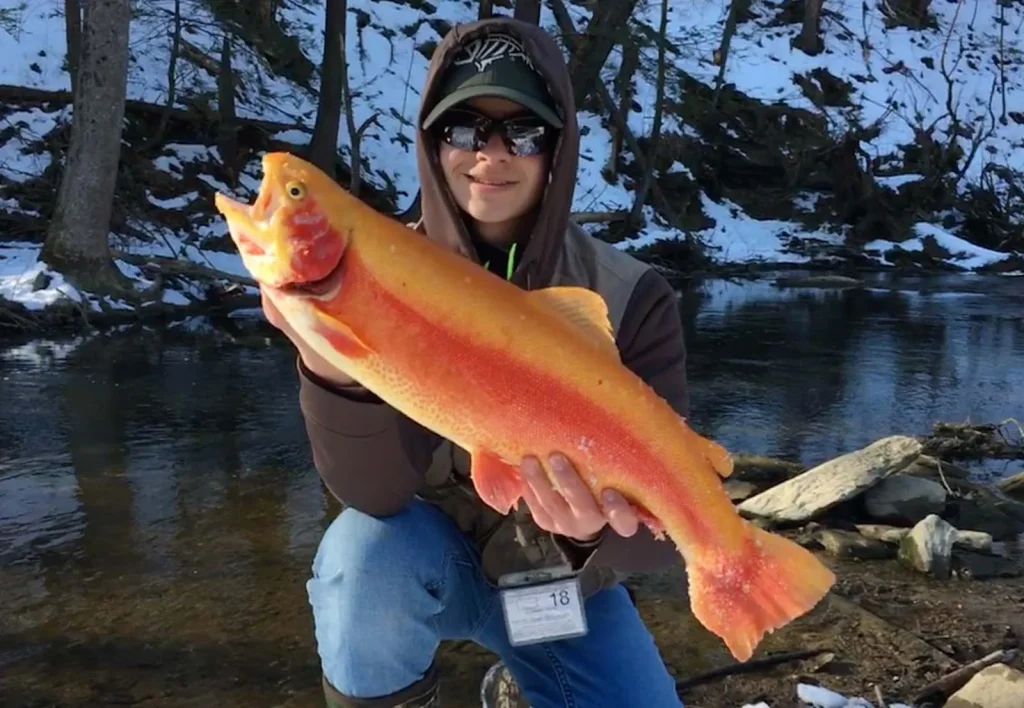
{"x": 879, "y": 532}
{"x": 928, "y": 547}
{"x": 928, "y": 466}
{"x": 841, "y": 282}
{"x": 820, "y": 488}
{"x": 847, "y": 544}
{"x": 900, "y": 498}
{"x": 738, "y": 490}
{"x": 1013, "y": 486}
{"x": 764, "y": 471}
{"x": 982, "y": 566}
{"x": 996, "y": 686}
{"x": 985, "y": 510}
{"x": 974, "y": 540}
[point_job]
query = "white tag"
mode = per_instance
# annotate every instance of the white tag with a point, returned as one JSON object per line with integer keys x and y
{"x": 544, "y": 612}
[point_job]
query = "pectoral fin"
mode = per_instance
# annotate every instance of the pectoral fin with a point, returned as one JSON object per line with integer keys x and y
{"x": 498, "y": 483}
{"x": 340, "y": 336}
{"x": 583, "y": 308}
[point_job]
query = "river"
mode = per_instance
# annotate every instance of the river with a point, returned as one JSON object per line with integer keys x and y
{"x": 159, "y": 508}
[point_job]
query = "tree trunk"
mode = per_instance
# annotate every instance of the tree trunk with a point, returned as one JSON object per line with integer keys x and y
{"x": 624, "y": 87}
{"x": 73, "y": 32}
{"x": 485, "y": 10}
{"x": 527, "y": 11}
{"x": 77, "y": 242}
{"x": 607, "y": 27}
{"x": 636, "y": 215}
{"x": 323, "y": 148}
{"x": 227, "y": 128}
{"x": 809, "y": 41}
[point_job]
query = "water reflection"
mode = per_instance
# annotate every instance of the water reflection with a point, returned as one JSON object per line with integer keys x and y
{"x": 159, "y": 507}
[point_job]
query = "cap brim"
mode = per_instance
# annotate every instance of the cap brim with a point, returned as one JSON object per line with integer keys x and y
{"x": 464, "y": 94}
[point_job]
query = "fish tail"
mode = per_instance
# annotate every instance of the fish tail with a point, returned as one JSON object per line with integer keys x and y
{"x": 758, "y": 586}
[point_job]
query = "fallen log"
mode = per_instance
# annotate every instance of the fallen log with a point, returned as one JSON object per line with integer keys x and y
{"x": 24, "y": 94}
{"x": 166, "y": 265}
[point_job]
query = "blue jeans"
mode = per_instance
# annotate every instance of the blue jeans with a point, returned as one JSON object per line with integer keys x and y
{"x": 386, "y": 591}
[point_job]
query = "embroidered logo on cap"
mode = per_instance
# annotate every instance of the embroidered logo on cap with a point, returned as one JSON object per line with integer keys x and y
{"x": 485, "y": 51}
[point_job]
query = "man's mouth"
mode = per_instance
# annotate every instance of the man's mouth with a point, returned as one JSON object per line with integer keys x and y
{"x": 489, "y": 181}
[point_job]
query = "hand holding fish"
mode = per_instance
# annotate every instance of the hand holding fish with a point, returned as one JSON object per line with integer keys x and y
{"x": 568, "y": 507}
{"x": 313, "y": 361}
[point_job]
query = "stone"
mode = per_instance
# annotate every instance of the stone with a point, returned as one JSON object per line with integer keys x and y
{"x": 928, "y": 547}
{"x": 1013, "y": 486}
{"x": 738, "y": 490}
{"x": 880, "y": 532}
{"x": 847, "y": 544}
{"x": 818, "y": 489}
{"x": 928, "y": 466}
{"x": 969, "y": 565}
{"x": 985, "y": 510}
{"x": 996, "y": 686}
{"x": 903, "y": 499}
{"x": 974, "y": 540}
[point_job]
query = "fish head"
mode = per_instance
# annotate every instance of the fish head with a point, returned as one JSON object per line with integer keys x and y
{"x": 286, "y": 238}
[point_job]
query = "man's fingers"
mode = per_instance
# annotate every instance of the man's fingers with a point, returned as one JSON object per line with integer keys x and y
{"x": 580, "y": 499}
{"x": 537, "y": 510}
{"x": 545, "y": 494}
{"x": 621, "y": 516}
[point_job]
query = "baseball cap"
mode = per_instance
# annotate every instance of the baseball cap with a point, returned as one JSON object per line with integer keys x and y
{"x": 495, "y": 65}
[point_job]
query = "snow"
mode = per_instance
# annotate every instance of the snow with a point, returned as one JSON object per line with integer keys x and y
{"x": 895, "y": 77}
{"x": 20, "y": 274}
{"x": 963, "y": 253}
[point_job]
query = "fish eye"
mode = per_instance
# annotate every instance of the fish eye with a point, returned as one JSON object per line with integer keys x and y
{"x": 295, "y": 190}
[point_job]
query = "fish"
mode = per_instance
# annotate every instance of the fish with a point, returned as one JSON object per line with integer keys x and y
{"x": 505, "y": 372}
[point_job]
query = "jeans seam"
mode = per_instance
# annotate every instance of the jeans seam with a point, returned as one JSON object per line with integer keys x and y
{"x": 561, "y": 677}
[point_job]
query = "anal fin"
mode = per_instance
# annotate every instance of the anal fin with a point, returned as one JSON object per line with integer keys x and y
{"x": 715, "y": 454}
{"x": 498, "y": 483}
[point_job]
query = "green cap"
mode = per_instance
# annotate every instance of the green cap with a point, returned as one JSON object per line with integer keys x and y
{"x": 495, "y": 65}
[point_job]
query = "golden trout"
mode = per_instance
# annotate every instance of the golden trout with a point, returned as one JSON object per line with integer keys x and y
{"x": 504, "y": 373}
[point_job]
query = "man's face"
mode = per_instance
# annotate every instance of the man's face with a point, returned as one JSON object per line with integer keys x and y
{"x": 492, "y": 185}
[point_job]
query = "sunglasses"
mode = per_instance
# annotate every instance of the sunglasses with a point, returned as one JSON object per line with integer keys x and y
{"x": 523, "y": 136}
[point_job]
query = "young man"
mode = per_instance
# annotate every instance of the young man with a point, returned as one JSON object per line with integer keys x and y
{"x": 416, "y": 557}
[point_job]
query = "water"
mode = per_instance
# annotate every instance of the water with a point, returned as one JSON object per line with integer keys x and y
{"x": 159, "y": 508}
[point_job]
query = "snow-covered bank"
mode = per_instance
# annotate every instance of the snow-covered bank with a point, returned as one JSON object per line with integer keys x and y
{"x": 869, "y": 74}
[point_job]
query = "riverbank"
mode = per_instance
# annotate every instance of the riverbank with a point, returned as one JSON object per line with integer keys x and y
{"x": 917, "y": 599}
{"x": 178, "y": 281}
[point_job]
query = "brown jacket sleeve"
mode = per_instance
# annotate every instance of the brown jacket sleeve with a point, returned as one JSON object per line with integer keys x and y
{"x": 371, "y": 457}
{"x": 652, "y": 346}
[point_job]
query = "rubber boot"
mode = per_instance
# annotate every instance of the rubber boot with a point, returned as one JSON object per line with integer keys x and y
{"x": 425, "y": 693}
{"x": 499, "y": 690}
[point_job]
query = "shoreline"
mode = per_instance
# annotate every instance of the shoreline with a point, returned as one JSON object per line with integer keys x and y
{"x": 224, "y": 292}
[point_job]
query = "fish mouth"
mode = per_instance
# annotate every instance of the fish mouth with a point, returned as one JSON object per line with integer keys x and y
{"x": 321, "y": 289}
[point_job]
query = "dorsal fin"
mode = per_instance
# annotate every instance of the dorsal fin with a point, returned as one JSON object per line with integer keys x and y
{"x": 583, "y": 308}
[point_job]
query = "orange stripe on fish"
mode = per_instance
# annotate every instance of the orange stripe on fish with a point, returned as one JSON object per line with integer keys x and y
{"x": 505, "y": 373}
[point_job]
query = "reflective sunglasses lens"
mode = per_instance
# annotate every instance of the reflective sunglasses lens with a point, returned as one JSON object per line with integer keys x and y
{"x": 526, "y": 140}
{"x": 462, "y": 137}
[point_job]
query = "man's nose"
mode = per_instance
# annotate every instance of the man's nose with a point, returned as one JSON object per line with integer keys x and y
{"x": 494, "y": 149}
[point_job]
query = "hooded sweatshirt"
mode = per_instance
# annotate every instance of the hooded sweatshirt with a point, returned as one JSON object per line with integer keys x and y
{"x": 375, "y": 459}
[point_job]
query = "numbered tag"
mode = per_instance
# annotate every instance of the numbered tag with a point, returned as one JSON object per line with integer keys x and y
{"x": 544, "y": 612}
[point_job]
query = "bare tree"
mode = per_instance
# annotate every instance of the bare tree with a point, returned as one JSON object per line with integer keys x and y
{"x": 77, "y": 242}
{"x": 809, "y": 40}
{"x": 636, "y": 215}
{"x": 323, "y": 149}
{"x": 485, "y": 10}
{"x": 73, "y": 32}
{"x": 527, "y": 11}
{"x": 607, "y": 27}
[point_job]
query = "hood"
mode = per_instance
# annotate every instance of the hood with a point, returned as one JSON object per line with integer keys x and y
{"x": 440, "y": 214}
